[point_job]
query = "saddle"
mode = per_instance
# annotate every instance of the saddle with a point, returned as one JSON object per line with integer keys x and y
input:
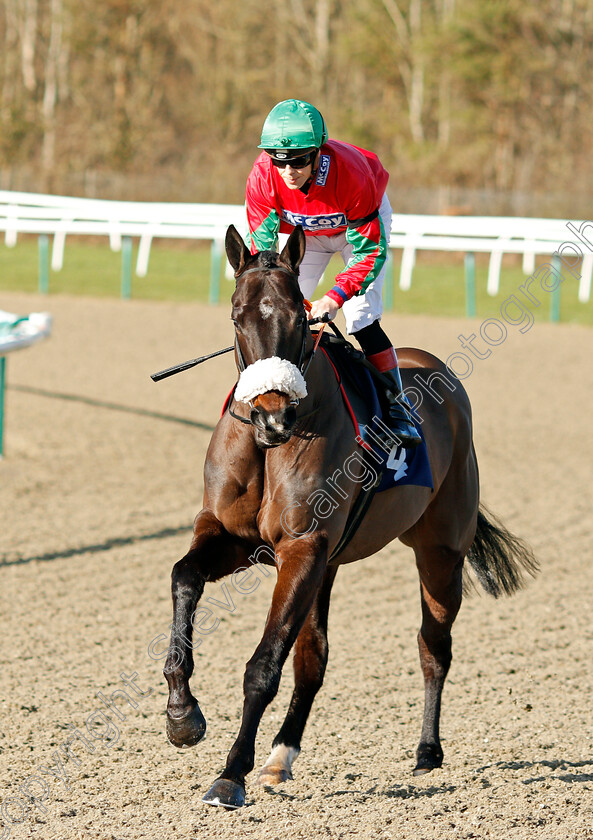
{"x": 359, "y": 379}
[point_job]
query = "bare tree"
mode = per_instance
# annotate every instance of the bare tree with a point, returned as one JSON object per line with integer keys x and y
{"x": 447, "y": 9}
{"x": 312, "y": 41}
{"x": 410, "y": 60}
{"x": 28, "y": 31}
{"x": 50, "y": 93}
{"x": 9, "y": 59}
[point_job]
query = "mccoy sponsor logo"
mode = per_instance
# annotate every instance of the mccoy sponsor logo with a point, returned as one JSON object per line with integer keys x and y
{"x": 323, "y": 170}
{"x": 328, "y": 222}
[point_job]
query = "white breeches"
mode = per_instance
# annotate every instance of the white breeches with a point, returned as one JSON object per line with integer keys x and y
{"x": 359, "y": 311}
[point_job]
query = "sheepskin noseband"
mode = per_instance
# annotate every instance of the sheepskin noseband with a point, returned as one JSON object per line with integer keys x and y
{"x": 273, "y": 374}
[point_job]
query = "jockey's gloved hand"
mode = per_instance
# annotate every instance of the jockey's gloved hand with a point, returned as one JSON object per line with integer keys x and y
{"x": 323, "y": 306}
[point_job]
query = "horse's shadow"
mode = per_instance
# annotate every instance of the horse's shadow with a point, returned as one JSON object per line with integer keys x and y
{"x": 94, "y": 548}
{"x": 553, "y": 764}
{"x": 111, "y": 406}
{"x": 397, "y": 792}
{"x": 411, "y": 791}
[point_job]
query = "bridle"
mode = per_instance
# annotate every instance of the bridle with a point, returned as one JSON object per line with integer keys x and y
{"x": 303, "y": 362}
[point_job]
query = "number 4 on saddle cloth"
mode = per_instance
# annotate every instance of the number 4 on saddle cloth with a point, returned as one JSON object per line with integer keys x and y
{"x": 359, "y": 390}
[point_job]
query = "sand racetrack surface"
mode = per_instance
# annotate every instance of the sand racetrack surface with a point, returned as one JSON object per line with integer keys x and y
{"x": 98, "y": 489}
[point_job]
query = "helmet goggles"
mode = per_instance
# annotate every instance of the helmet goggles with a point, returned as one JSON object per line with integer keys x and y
{"x": 295, "y": 158}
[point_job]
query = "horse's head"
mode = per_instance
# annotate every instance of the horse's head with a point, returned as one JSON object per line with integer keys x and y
{"x": 270, "y": 334}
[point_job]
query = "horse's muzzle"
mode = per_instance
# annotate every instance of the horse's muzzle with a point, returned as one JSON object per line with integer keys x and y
{"x": 273, "y": 428}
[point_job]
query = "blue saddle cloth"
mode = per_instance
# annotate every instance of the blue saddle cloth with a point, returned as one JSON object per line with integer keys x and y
{"x": 400, "y": 465}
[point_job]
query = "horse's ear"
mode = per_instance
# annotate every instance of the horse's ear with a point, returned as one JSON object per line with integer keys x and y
{"x": 294, "y": 250}
{"x": 236, "y": 250}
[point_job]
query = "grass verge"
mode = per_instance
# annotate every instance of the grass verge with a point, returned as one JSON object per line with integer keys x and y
{"x": 181, "y": 272}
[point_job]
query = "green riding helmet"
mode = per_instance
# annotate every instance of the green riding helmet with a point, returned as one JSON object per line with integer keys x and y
{"x": 292, "y": 128}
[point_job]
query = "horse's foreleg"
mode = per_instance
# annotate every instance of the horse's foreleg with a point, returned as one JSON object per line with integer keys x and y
{"x": 440, "y": 572}
{"x": 310, "y": 660}
{"x": 212, "y": 554}
{"x": 301, "y": 567}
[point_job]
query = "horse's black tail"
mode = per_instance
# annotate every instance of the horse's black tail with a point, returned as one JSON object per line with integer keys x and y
{"x": 498, "y": 558}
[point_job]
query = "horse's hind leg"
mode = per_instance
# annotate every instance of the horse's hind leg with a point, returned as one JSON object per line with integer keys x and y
{"x": 212, "y": 554}
{"x": 310, "y": 659}
{"x": 440, "y": 571}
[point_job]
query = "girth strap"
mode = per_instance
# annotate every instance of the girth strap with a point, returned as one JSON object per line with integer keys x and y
{"x": 358, "y": 512}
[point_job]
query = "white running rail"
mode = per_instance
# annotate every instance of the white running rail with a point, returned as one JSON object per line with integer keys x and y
{"x": 62, "y": 216}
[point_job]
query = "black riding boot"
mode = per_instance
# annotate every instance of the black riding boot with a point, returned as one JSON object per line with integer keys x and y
{"x": 399, "y": 420}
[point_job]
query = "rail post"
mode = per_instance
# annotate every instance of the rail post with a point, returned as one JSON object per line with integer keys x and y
{"x": 388, "y": 284}
{"x": 126, "y": 267}
{"x": 215, "y": 266}
{"x": 43, "y": 263}
{"x": 555, "y": 296}
{"x": 2, "y": 388}
{"x": 470, "y": 285}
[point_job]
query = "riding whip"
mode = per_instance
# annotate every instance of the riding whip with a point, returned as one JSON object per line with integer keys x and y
{"x": 163, "y": 374}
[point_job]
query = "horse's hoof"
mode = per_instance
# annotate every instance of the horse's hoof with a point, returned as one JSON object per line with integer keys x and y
{"x": 422, "y": 771}
{"x": 273, "y": 776}
{"x": 186, "y": 731}
{"x": 225, "y": 794}
{"x": 428, "y": 758}
{"x": 278, "y": 767}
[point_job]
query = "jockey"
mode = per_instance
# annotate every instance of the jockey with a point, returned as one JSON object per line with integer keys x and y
{"x": 336, "y": 191}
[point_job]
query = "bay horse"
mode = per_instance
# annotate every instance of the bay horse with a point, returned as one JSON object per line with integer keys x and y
{"x": 260, "y": 475}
